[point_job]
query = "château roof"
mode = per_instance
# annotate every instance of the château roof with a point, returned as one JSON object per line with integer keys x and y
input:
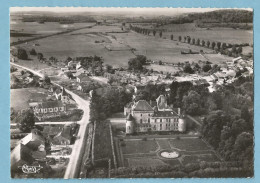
{"x": 142, "y": 105}
{"x": 165, "y": 114}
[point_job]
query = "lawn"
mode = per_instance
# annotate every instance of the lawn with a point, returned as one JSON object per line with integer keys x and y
{"x": 139, "y": 146}
{"x": 189, "y": 144}
{"x": 163, "y": 68}
{"x": 145, "y": 162}
{"x": 102, "y": 142}
{"x": 20, "y": 98}
{"x": 200, "y": 157}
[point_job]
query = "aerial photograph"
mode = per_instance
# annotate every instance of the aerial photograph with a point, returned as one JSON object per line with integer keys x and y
{"x": 131, "y": 93}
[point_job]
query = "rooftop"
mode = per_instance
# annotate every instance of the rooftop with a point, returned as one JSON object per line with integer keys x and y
{"x": 165, "y": 114}
{"x": 142, "y": 105}
{"x": 50, "y": 104}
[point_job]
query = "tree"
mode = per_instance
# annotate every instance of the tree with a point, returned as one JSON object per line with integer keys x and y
{"x": 187, "y": 68}
{"x": 69, "y": 59}
{"x": 25, "y": 120}
{"x": 160, "y": 34}
{"x": 191, "y": 103}
{"x": 40, "y": 56}
{"x": 137, "y": 63}
{"x": 46, "y": 79}
{"x": 208, "y": 44}
{"x": 218, "y": 45}
{"x": 188, "y": 39}
{"x": 160, "y": 62}
{"x": 185, "y": 38}
{"x": 171, "y": 37}
{"x": 206, "y": 67}
{"x": 239, "y": 49}
{"x": 179, "y": 38}
{"x": 243, "y": 147}
{"x": 213, "y": 45}
{"x": 33, "y": 52}
{"x": 198, "y": 42}
{"x": 154, "y": 32}
{"x": 193, "y": 41}
{"x": 234, "y": 51}
{"x": 245, "y": 113}
{"x": 22, "y": 54}
{"x": 224, "y": 46}
{"x": 203, "y": 43}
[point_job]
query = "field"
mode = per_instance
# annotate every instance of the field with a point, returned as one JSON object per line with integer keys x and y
{"x": 117, "y": 47}
{"x": 25, "y": 30}
{"x": 221, "y": 34}
{"x": 20, "y": 98}
{"x": 140, "y": 152}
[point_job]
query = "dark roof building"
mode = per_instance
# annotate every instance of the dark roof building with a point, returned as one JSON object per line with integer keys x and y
{"x": 142, "y": 105}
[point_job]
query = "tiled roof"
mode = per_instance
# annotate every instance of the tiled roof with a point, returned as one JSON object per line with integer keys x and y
{"x": 84, "y": 77}
{"x": 33, "y": 137}
{"x": 50, "y": 104}
{"x": 165, "y": 114}
{"x": 142, "y": 105}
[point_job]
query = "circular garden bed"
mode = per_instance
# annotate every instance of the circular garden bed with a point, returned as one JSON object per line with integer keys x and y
{"x": 169, "y": 154}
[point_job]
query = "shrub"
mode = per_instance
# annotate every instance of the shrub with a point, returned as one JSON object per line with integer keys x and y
{"x": 33, "y": 52}
{"x": 178, "y": 138}
{"x": 123, "y": 144}
{"x": 22, "y": 54}
{"x": 144, "y": 139}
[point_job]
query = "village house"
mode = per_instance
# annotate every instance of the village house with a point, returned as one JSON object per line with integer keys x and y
{"x": 83, "y": 78}
{"x": 80, "y": 71}
{"x": 31, "y": 148}
{"x": 154, "y": 116}
{"x": 64, "y": 137}
{"x": 62, "y": 95}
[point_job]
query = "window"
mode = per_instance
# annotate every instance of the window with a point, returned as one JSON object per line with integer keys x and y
{"x": 148, "y": 114}
{"x": 160, "y": 120}
{"x": 141, "y": 120}
{"x": 148, "y": 120}
{"x": 141, "y": 114}
{"x": 160, "y": 126}
{"x": 155, "y": 120}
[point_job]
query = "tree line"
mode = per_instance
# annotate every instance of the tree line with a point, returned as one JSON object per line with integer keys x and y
{"x": 223, "y": 48}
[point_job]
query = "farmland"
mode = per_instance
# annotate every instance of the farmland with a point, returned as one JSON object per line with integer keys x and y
{"x": 146, "y": 152}
{"x": 117, "y": 46}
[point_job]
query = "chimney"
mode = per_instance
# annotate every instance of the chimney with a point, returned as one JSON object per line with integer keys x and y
{"x": 179, "y": 111}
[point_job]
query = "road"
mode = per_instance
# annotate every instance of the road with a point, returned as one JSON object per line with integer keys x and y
{"x": 73, "y": 166}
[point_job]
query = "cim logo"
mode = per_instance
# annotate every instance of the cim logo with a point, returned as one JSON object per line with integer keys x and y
{"x": 31, "y": 169}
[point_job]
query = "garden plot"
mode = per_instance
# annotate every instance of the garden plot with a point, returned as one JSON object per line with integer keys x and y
{"x": 147, "y": 152}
